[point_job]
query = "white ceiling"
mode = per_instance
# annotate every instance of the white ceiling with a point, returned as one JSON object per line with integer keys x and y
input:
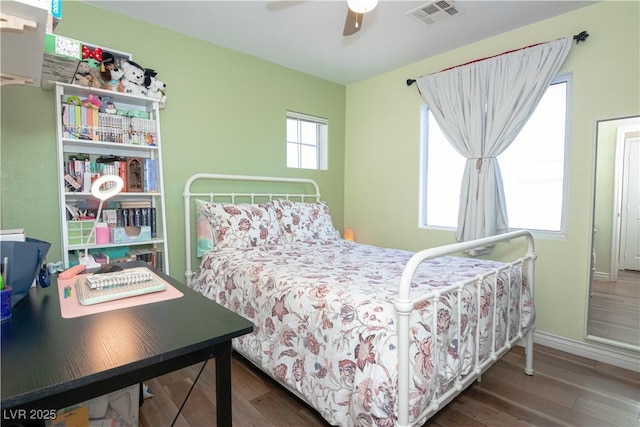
{"x": 307, "y": 35}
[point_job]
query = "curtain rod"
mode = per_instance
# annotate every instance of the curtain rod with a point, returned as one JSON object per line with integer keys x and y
{"x": 578, "y": 38}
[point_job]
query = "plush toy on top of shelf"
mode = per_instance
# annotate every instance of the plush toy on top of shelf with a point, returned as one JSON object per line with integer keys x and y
{"x": 113, "y": 80}
{"x": 85, "y": 76}
{"x": 89, "y": 67}
{"x": 155, "y": 88}
{"x": 110, "y": 73}
{"x": 132, "y": 81}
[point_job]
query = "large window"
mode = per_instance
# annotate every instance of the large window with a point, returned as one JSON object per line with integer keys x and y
{"x": 306, "y": 141}
{"x": 533, "y": 169}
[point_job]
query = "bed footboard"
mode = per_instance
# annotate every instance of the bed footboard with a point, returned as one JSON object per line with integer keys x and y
{"x": 404, "y": 305}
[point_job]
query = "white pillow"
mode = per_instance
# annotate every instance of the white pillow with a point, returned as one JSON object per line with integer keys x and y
{"x": 243, "y": 225}
{"x": 305, "y": 221}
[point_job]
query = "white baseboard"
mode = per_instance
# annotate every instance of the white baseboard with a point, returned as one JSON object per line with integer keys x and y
{"x": 603, "y": 277}
{"x": 626, "y": 359}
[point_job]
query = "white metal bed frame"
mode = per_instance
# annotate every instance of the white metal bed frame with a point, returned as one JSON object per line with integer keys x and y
{"x": 404, "y": 303}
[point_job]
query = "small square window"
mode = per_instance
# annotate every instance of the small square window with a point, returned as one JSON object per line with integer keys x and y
{"x": 306, "y": 141}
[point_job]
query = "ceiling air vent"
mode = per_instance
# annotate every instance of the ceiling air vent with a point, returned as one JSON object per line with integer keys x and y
{"x": 435, "y": 12}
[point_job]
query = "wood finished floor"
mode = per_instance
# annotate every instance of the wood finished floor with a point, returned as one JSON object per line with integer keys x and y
{"x": 614, "y": 308}
{"x": 566, "y": 390}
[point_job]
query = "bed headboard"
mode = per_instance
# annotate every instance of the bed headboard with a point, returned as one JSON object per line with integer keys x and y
{"x": 221, "y": 188}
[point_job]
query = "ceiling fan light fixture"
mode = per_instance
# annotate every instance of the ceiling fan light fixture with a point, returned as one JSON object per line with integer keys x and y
{"x": 362, "y": 6}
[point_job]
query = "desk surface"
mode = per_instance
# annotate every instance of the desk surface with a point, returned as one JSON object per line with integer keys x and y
{"x": 48, "y": 361}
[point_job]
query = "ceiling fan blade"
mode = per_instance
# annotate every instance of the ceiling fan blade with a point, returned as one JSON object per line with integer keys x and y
{"x": 353, "y": 23}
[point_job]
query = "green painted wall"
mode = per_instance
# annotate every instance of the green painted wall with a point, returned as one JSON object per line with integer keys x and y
{"x": 225, "y": 114}
{"x": 383, "y": 143}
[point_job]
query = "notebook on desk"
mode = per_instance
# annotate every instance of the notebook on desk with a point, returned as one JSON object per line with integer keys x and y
{"x": 94, "y": 289}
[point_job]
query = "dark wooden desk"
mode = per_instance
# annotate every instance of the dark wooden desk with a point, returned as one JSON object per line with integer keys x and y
{"x": 49, "y": 362}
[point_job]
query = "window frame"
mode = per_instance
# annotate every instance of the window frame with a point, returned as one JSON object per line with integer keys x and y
{"x": 566, "y": 78}
{"x": 322, "y": 139}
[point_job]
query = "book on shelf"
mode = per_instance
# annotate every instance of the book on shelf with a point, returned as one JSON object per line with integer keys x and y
{"x": 152, "y": 223}
{"x": 152, "y": 256}
{"x": 96, "y": 125}
{"x": 109, "y": 169}
{"x": 84, "y": 129}
{"x": 78, "y": 121}
{"x": 135, "y": 204}
{"x": 86, "y": 177}
{"x": 150, "y": 168}
{"x": 110, "y": 217}
{"x": 72, "y": 121}
{"x": 65, "y": 122}
{"x": 122, "y": 170}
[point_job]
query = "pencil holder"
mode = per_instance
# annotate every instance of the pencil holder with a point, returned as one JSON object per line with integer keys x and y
{"x": 103, "y": 234}
{"x": 5, "y": 303}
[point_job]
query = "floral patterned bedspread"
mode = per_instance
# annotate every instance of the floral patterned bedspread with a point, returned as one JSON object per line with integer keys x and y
{"x": 325, "y": 324}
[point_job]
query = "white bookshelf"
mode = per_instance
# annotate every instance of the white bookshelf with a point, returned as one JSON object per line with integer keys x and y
{"x": 73, "y": 142}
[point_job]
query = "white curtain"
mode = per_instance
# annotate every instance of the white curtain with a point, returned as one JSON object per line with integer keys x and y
{"x": 481, "y": 107}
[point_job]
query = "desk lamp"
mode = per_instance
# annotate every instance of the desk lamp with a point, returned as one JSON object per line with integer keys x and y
{"x": 102, "y": 194}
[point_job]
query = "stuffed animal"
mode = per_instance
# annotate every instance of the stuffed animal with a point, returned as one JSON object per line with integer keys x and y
{"x": 133, "y": 79}
{"x": 110, "y": 74}
{"x": 92, "y": 101}
{"x": 114, "y": 76}
{"x": 149, "y": 72}
{"x": 156, "y": 90}
{"x": 94, "y": 67}
{"x": 107, "y": 105}
{"x": 107, "y": 64}
{"x": 84, "y": 76}
{"x": 73, "y": 100}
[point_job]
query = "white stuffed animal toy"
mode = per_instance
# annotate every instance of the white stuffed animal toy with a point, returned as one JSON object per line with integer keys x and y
{"x": 132, "y": 80}
{"x": 156, "y": 90}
